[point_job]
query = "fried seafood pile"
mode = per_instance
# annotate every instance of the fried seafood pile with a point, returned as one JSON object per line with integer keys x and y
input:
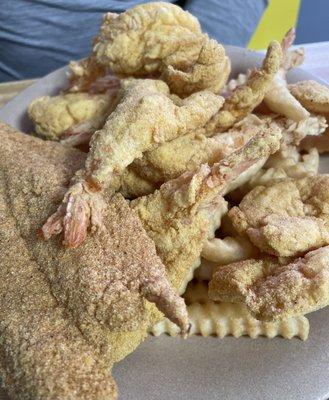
{"x": 190, "y": 181}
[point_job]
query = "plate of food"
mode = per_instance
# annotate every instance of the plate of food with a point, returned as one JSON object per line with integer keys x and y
{"x": 164, "y": 221}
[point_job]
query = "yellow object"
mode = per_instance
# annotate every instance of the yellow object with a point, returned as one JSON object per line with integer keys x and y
{"x": 279, "y": 16}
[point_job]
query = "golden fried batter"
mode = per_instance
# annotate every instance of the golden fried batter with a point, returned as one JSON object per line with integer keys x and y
{"x": 43, "y": 354}
{"x": 278, "y": 98}
{"x": 245, "y": 98}
{"x": 144, "y": 38}
{"x": 69, "y": 114}
{"x": 188, "y": 152}
{"x": 312, "y": 95}
{"x": 210, "y": 71}
{"x": 187, "y": 210}
{"x": 272, "y": 291}
{"x": 133, "y": 185}
{"x": 145, "y": 118}
{"x": 286, "y": 218}
{"x": 158, "y": 39}
{"x": 105, "y": 282}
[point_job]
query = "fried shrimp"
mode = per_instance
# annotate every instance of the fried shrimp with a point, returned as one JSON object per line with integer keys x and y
{"x": 144, "y": 119}
{"x": 271, "y": 290}
{"x": 278, "y": 97}
{"x": 315, "y": 98}
{"x": 285, "y": 218}
{"x": 188, "y": 152}
{"x": 182, "y": 214}
{"x": 245, "y": 98}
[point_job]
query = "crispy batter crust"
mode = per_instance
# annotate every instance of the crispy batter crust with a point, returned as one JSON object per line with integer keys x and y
{"x": 54, "y": 116}
{"x": 145, "y": 118}
{"x": 312, "y": 95}
{"x": 271, "y": 291}
{"x": 285, "y": 218}
{"x": 210, "y": 71}
{"x": 180, "y": 215}
{"x": 188, "y": 152}
{"x": 104, "y": 283}
{"x": 245, "y": 98}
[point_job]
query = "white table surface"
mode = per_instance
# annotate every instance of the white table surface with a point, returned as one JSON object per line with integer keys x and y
{"x": 317, "y": 59}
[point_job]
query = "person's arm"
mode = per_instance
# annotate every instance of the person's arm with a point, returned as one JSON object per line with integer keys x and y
{"x": 231, "y": 21}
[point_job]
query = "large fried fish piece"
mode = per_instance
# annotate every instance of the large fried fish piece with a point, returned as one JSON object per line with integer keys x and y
{"x": 245, "y": 98}
{"x": 286, "y": 218}
{"x": 71, "y": 114}
{"x": 186, "y": 211}
{"x": 144, "y": 118}
{"x": 43, "y": 354}
{"x": 272, "y": 291}
{"x": 105, "y": 283}
{"x": 188, "y": 152}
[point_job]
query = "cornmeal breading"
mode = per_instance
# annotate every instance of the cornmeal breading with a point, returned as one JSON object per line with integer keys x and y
{"x": 272, "y": 291}
{"x": 312, "y": 95}
{"x": 210, "y": 71}
{"x": 103, "y": 285}
{"x": 144, "y": 118}
{"x": 188, "y": 152}
{"x": 63, "y": 115}
{"x": 286, "y": 218}
{"x": 245, "y": 98}
{"x": 158, "y": 39}
{"x": 179, "y": 216}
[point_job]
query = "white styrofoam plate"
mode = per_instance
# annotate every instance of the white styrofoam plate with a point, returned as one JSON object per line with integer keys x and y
{"x": 210, "y": 368}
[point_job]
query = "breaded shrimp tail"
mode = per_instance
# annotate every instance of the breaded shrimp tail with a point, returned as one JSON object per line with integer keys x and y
{"x": 278, "y": 98}
{"x": 245, "y": 98}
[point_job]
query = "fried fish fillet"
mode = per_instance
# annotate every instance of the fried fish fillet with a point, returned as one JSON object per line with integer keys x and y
{"x": 286, "y": 218}
{"x": 43, "y": 354}
{"x": 97, "y": 292}
{"x": 144, "y": 118}
{"x": 271, "y": 290}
